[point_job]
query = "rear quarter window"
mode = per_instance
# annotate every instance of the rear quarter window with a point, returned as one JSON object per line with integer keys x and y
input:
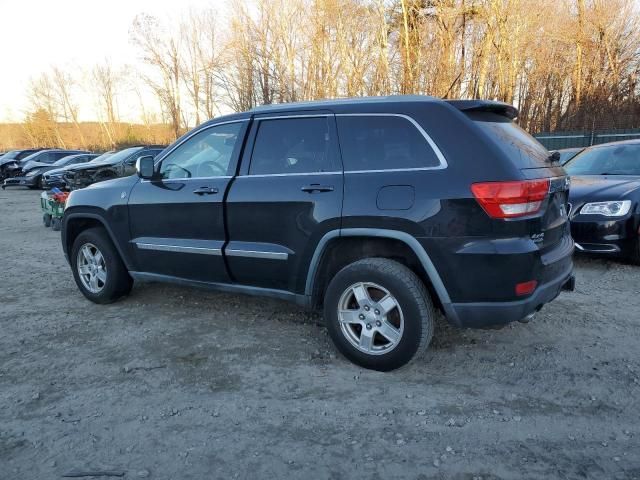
{"x": 523, "y": 150}
{"x": 383, "y": 143}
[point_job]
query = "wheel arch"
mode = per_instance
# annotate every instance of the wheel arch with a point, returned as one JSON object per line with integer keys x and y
{"x": 75, "y": 223}
{"x": 411, "y": 250}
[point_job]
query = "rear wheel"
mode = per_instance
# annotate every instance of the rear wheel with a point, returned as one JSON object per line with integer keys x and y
{"x": 46, "y": 219}
{"x": 379, "y": 314}
{"x": 56, "y": 224}
{"x": 97, "y": 268}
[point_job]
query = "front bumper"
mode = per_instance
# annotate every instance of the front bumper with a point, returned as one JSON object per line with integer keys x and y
{"x": 57, "y": 182}
{"x": 603, "y": 235}
{"x": 20, "y": 182}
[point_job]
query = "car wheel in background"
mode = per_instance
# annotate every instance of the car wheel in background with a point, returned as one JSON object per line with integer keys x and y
{"x": 379, "y": 313}
{"x": 46, "y": 219}
{"x": 97, "y": 267}
{"x": 56, "y": 224}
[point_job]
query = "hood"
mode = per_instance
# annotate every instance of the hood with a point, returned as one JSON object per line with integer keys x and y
{"x": 54, "y": 171}
{"x": 116, "y": 183}
{"x": 91, "y": 166}
{"x": 600, "y": 188}
{"x": 4, "y": 161}
{"x": 31, "y": 164}
{"x": 36, "y": 166}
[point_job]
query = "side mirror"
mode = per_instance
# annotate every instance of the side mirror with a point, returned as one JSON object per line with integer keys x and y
{"x": 146, "y": 167}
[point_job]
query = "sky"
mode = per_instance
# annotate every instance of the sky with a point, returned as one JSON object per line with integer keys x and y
{"x": 36, "y": 34}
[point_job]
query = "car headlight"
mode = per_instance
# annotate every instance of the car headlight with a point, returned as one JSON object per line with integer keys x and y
{"x": 618, "y": 208}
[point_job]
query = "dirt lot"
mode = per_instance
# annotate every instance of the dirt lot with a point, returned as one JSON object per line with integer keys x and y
{"x": 176, "y": 383}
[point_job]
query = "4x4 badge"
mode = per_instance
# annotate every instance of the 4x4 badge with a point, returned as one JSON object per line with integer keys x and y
{"x": 538, "y": 237}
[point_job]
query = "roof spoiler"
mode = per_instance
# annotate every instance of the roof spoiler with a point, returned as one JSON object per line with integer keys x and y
{"x": 499, "y": 108}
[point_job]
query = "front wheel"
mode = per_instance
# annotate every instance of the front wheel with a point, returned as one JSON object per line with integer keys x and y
{"x": 378, "y": 313}
{"x": 97, "y": 268}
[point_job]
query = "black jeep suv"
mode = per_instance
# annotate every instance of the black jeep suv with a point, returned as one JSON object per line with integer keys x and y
{"x": 378, "y": 210}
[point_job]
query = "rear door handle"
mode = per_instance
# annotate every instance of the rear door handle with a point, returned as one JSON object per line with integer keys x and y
{"x": 316, "y": 187}
{"x": 205, "y": 191}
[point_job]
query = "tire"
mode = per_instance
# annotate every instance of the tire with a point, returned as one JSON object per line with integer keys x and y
{"x": 56, "y": 224}
{"x": 411, "y": 314}
{"x": 46, "y": 219}
{"x": 112, "y": 280}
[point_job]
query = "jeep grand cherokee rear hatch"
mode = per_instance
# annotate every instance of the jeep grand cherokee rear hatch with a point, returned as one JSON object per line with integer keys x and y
{"x": 540, "y": 197}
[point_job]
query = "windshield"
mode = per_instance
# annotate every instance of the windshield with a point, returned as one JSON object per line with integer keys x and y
{"x": 566, "y": 155}
{"x": 102, "y": 157}
{"x": 64, "y": 160}
{"x": 609, "y": 160}
{"x": 116, "y": 157}
{"x": 10, "y": 155}
{"x": 33, "y": 156}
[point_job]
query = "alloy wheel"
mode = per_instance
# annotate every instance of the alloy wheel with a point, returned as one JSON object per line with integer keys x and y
{"x": 92, "y": 268}
{"x": 370, "y": 318}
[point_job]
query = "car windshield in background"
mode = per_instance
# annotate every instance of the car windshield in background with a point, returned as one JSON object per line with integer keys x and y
{"x": 568, "y": 154}
{"x": 609, "y": 160}
{"x": 118, "y": 156}
{"x": 63, "y": 161}
{"x": 102, "y": 157}
{"x": 30, "y": 157}
{"x": 10, "y": 155}
{"x": 524, "y": 150}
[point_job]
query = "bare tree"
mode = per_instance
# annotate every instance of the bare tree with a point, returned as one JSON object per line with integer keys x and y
{"x": 161, "y": 50}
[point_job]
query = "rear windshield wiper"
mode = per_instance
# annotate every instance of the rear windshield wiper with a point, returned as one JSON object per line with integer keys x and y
{"x": 554, "y": 157}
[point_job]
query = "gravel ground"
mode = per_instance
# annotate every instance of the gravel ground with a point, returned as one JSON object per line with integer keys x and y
{"x": 177, "y": 383}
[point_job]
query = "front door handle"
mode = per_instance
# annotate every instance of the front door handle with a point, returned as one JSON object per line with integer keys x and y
{"x": 205, "y": 191}
{"x": 316, "y": 187}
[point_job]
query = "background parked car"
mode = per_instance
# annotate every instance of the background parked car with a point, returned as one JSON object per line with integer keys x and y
{"x": 42, "y": 157}
{"x": 120, "y": 164}
{"x": 12, "y": 158}
{"x": 47, "y": 157}
{"x": 32, "y": 172}
{"x": 54, "y": 177}
{"x": 567, "y": 154}
{"x": 605, "y": 199}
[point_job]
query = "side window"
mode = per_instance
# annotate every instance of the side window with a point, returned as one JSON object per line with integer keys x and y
{"x": 206, "y": 154}
{"x": 383, "y": 143}
{"x": 58, "y": 155}
{"x": 293, "y": 145}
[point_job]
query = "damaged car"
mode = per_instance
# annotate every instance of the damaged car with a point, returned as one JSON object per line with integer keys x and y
{"x": 120, "y": 164}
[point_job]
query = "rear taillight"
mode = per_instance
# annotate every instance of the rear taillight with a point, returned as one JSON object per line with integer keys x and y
{"x": 511, "y": 199}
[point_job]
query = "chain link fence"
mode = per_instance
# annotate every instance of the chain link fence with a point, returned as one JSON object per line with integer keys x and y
{"x": 582, "y": 138}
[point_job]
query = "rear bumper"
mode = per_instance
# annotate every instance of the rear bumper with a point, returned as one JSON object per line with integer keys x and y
{"x": 481, "y": 278}
{"x": 20, "y": 182}
{"x": 482, "y": 314}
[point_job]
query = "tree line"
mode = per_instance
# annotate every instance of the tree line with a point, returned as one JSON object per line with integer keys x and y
{"x": 565, "y": 64}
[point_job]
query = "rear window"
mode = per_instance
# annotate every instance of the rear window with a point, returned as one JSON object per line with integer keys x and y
{"x": 383, "y": 143}
{"x": 523, "y": 150}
